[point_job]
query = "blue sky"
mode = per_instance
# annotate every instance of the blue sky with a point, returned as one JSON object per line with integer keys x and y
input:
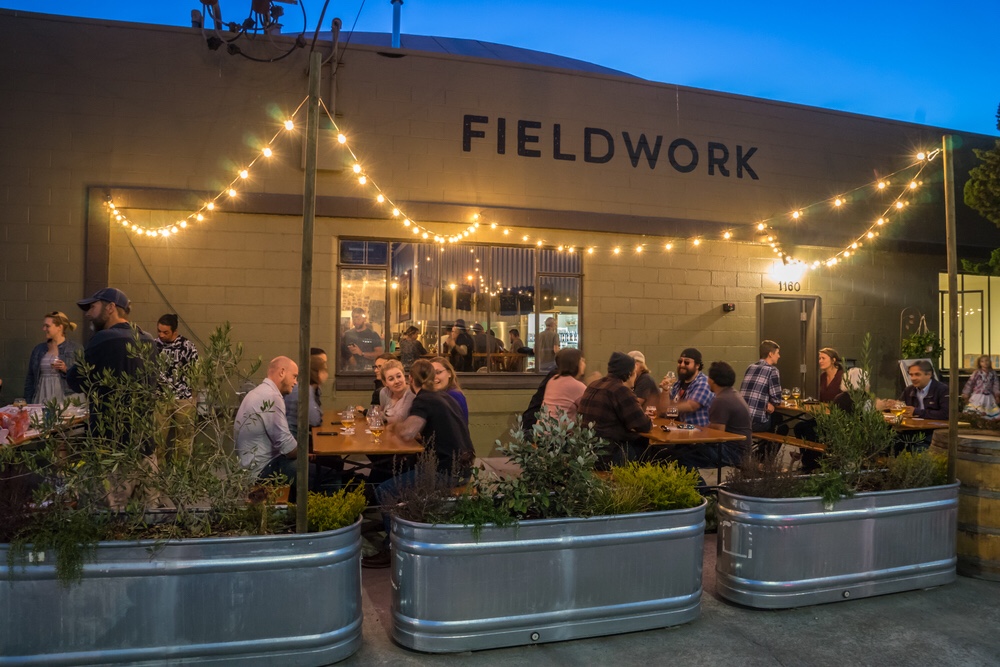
{"x": 919, "y": 61}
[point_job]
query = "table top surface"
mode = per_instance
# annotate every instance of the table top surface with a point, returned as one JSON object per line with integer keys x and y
{"x": 696, "y": 436}
{"x": 330, "y": 439}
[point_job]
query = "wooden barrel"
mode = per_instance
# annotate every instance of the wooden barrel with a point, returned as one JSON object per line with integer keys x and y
{"x": 978, "y": 470}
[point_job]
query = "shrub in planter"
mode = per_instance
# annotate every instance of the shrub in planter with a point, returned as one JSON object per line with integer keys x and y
{"x": 140, "y": 557}
{"x": 869, "y": 522}
{"x": 549, "y": 544}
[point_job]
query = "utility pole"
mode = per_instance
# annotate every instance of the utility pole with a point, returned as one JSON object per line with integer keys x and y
{"x": 952, "y": 244}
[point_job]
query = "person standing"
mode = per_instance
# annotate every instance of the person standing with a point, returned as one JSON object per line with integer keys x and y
{"x": 107, "y": 351}
{"x": 51, "y": 361}
{"x": 546, "y": 346}
{"x": 690, "y": 394}
{"x": 831, "y": 374}
{"x": 181, "y": 354}
{"x": 761, "y": 388}
{"x": 361, "y": 345}
{"x": 515, "y": 346}
{"x": 461, "y": 350}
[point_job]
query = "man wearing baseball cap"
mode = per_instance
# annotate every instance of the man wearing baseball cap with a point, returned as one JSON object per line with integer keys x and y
{"x": 108, "y": 311}
{"x": 691, "y": 394}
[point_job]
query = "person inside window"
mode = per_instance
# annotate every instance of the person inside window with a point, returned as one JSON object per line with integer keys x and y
{"x": 361, "y": 345}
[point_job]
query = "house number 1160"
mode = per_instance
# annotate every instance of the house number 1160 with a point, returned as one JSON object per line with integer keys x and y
{"x": 789, "y": 287}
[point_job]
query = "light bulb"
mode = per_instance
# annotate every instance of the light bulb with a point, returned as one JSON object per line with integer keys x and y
{"x": 493, "y": 225}
{"x": 380, "y": 199}
{"x": 913, "y": 185}
{"x": 183, "y": 224}
{"x": 244, "y": 173}
{"x": 362, "y": 180}
{"x": 880, "y": 221}
{"x": 232, "y": 192}
{"x": 697, "y": 241}
{"x": 899, "y": 204}
{"x": 727, "y": 235}
{"x": 590, "y": 251}
{"x": 395, "y": 211}
{"x": 921, "y": 155}
{"x": 669, "y": 246}
{"x": 199, "y": 217}
{"x": 871, "y": 235}
{"x": 341, "y": 139}
{"x": 289, "y": 125}
{"x": 617, "y": 251}
{"x": 881, "y": 185}
{"x": 761, "y": 226}
{"x": 539, "y": 244}
{"x": 210, "y": 206}
{"x": 524, "y": 238}
{"x": 796, "y": 214}
{"x": 838, "y": 202}
{"x": 356, "y": 168}
{"x": 267, "y": 152}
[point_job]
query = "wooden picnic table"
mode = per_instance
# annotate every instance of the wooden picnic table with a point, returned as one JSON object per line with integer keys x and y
{"x": 329, "y": 439}
{"x": 699, "y": 435}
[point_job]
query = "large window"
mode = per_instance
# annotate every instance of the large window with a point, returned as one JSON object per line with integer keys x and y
{"x": 487, "y": 309}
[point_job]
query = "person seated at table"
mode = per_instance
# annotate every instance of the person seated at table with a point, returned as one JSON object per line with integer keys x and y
{"x": 728, "y": 412}
{"x": 614, "y": 410}
{"x": 436, "y": 418}
{"x": 926, "y": 398}
{"x": 446, "y": 380}
{"x": 831, "y": 374}
{"x": 982, "y": 391}
{"x": 854, "y": 380}
{"x": 50, "y": 361}
{"x": 761, "y": 387}
{"x": 690, "y": 394}
{"x": 645, "y": 387}
{"x": 318, "y": 374}
{"x": 396, "y": 396}
{"x": 564, "y": 391}
{"x": 264, "y": 444}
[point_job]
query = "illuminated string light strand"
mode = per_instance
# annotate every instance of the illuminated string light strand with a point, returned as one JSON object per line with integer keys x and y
{"x": 897, "y": 205}
{"x": 216, "y": 203}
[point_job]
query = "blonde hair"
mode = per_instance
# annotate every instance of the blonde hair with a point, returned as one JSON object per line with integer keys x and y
{"x": 59, "y": 318}
{"x": 392, "y": 363}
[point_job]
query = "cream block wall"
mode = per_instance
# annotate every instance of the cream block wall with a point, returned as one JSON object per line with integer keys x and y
{"x": 102, "y": 104}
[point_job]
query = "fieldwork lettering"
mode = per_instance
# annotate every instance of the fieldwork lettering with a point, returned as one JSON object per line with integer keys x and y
{"x": 599, "y": 146}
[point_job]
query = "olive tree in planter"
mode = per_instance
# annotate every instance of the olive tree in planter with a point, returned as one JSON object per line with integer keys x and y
{"x": 556, "y": 553}
{"x": 869, "y": 523}
{"x": 90, "y": 572}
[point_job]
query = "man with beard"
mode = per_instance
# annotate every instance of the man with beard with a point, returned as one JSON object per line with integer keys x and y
{"x": 107, "y": 350}
{"x": 361, "y": 345}
{"x": 691, "y": 394}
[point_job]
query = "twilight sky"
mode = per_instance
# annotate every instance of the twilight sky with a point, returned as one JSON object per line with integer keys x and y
{"x": 920, "y": 61}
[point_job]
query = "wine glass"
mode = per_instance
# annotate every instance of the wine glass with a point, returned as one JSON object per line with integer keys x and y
{"x": 785, "y": 395}
{"x": 796, "y": 393}
{"x": 347, "y": 418}
{"x": 376, "y": 425}
{"x": 898, "y": 409}
{"x": 671, "y": 413}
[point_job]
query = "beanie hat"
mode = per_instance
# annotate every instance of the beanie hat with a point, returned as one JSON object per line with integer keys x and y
{"x": 620, "y": 365}
{"x": 693, "y": 353}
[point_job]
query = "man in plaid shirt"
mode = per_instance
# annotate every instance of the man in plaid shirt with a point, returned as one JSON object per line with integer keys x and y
{"x": 691, "y": 394}
{"x": 761, "y": 387}
{"x": 611, "y": 405}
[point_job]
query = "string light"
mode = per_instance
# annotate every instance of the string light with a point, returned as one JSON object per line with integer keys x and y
{"x": 267, "y": 151}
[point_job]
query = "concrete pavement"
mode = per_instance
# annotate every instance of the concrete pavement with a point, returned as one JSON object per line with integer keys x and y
{"x": 957, "y": 624}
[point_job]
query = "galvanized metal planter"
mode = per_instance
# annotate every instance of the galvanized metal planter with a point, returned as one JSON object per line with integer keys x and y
{"x": 545, "y": 580}
{"x": 782, "y": 553}
{"x": 263, "y": 600}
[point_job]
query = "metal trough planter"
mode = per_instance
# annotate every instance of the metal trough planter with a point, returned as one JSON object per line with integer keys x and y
{"x": 544, "y": 580}
{"x": 782, "y": 553}
{"x": 262, "y": 600}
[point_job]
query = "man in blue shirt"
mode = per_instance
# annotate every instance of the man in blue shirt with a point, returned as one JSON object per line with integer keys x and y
{"x": 691, "y": 394}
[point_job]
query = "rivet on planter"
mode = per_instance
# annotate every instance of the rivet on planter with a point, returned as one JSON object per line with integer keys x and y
{"x": 847, "y": 594}
{"x": 534, "y": 636}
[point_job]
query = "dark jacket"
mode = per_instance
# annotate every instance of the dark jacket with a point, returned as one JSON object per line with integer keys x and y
{"x": 108, "y": 349}
{"x": 67, "y": 352}
{"x": 935, "y": 403}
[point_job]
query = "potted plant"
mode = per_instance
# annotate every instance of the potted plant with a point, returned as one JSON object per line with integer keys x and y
{"x": 922, "y": 344}
{"x": 553, "y": 554}
{"x": 87, "y": 576}
{"x": 869, "y": 522}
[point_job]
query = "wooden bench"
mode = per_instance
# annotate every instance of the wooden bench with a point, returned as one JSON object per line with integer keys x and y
{"x": 790, "y": 440}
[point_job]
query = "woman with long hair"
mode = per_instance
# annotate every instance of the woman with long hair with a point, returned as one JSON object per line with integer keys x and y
{"x": 564, "y": 391}
{"x": 396, "y": 396}
{"x": 831, "y": 374}
{"x": 982, "y": 391}
{"x": 51, "y": 360}
{"x": 446, "y": 380}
